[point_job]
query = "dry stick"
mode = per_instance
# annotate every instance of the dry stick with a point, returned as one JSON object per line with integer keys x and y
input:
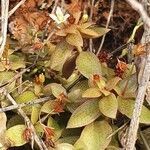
{"x": 117, "y": 130}
{"x": 15, "y": 8}
{"x": 91, "y": 15}
{"x": 36, "y": 101}
{"x": 39, "y": 141}
{"x": 132, "y": 134}
{"x": 107, "y": 24}
{"x": 18, "y": 75}
{"x": 14, "y": 78}
{"x": 140, "y": 8}
{"x": 4, "y": 23}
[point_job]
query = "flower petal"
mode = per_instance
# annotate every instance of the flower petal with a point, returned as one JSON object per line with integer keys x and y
{"x": 59, "y": 13}
{"x": 66, "y": 17}
{"x": 53, "y": 17}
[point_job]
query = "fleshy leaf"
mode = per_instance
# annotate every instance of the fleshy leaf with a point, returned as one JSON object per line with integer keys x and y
{"x": 35, "y": 113}
{"x": 26, "y": 97}
{"x": 2, "y": 66}
{"x": 128, "y": 91}
{"x": 88, "y": 64}
{"x": 14, "y": 135}
{"x": 126, "y": 107}
{"x": 57, "y": 89}
{"x": 16, "y": 62}
{"x": 84, "y": 114}
{"x": 5, "y": 77}
{"x": 3, "y": 120}
{"x": 108, "y": 106}
{"x": 94, "y": 136}
{"x": 92, "y": 93}
{"x": 75, "y": 94}
{"x": 85, "y": 25}
{"x": 64, "y": 146}
{"x": 112, "y": 83}
{"x": 48, "y": 107}
{"x": 94, "y": 31}
{"x": 60, "y": 55}
{"x": 57, "y": 130}
{"x": 75, "y": 39}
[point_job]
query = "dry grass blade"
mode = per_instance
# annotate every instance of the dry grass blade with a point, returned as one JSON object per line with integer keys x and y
{"x": 107, "y": 24}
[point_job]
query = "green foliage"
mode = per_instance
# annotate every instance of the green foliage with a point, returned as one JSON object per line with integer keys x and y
{"x": 84, "y": 92}
{"x": 88, "y": 64}
{"x": 14, "y": 135}
{"x": 109, "y": 105}
{"x": 60, "y": 55}
{"x": 94, "y": 136}
{"x": 5, "y": 77}
{"x": 64, "y": 146}
{"x": 26, "y": 97}
{"x": 84, "y": 114}
{"x": 126, "y": 107}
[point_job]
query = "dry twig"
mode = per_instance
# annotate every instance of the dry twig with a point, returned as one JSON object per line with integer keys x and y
{"x": 107, "y": 24}
{"x": 91, "y": 15}
{"x": 37, "y": 139}
{"x": 144, "y": 79}
{"x": 4, "y": 23}
{"x": 15, "y": 8}
{"x": 17, "y": 106}
{"x": 140, "y": 8}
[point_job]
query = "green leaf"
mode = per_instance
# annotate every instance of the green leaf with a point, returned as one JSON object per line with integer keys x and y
{"x": 48, "y": 107}
{"x": 113, "y": 148}
{"x": 85, "y": 25}
{"x": 2, "y": 67}
{"x": 26, "y": 97}
{"x": 91, "y": 93}
{"x": 111, "y": 84}
{"x": 35, "y": 113}
{"x": 126, "y": 107}
{"x": 14, "y": 135}
{"x": 57, "y": 89}
{"x": 84, "y": 114}
{"x": 75, "y": 94}
{"x": 75, "y": 39}
{"x": 94, "y": 31}
{"x": 47, "y": 90}
{"x": 68, "y": 139}
{"x": 57, "y": 130}
{"x": 127, "y": 87}
{"x": 3, "y": 120}
{"x": 94, "y": 136}
{"x": 5, "y": 77}
{"x": 107, "y": 72}
{"x": 88, "y": 64}
{"x": 16, "y": 62}
{"x": 64, "y": 146}
{"x": 108, "y": 106}
{"x": 60, "y": 55}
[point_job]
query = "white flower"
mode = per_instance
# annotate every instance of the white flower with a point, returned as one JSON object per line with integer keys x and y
{"x": 60, "y": 17}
